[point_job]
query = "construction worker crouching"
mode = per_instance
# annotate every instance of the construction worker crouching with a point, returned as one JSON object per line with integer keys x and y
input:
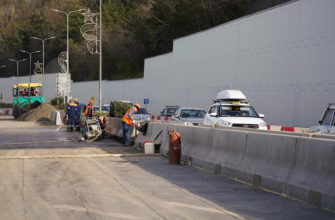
{"x": 127, "y": 121}
{"x": 77, "y": 112}
{"x": 89, "y": 109}
{"x": 70, "y": 113}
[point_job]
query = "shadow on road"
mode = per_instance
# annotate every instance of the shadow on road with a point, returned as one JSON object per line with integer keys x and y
{"x": 250, "y": 202}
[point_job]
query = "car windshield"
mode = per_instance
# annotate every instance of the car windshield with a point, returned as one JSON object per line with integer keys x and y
{"x": 237, "y": 111}
{"x": 105, "y": 108}
{"x": 142, "y": 111}
{"x": 170, "y": 111}
{"x": 192, "y": 113}
{"x": 328, "y": 117}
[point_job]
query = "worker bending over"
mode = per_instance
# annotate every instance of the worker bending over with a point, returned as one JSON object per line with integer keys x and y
{"x": 89, "y": 109}
{"x": 127, "y": 121}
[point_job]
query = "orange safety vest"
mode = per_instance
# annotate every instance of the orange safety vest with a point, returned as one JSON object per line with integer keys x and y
{"x": 92, "y": 109}
{"x": 126, "y": 117}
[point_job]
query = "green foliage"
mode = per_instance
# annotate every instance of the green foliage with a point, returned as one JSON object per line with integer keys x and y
{"x": 118, "y": 109}
{"x": 6, "y": 105}
{"x": 132, "y": 31}
{"x": 60, "y": 106}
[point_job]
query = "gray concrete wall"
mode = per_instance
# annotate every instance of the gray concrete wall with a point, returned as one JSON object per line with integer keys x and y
{"x": 282, "y": 59}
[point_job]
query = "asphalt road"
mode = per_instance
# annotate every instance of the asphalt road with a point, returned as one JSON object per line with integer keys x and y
{"x": 46, "y": 173}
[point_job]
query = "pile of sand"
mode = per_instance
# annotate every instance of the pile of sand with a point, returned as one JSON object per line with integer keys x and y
{"x": 42, "y": 112}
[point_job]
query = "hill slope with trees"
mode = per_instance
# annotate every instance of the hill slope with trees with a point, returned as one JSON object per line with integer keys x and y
{"x": 132, "y": 31}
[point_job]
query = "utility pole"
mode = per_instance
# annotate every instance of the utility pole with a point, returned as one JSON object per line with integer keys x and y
{"x": 43, "y": 40}
{"x": 100, "y": 59}
{"x": 67, "y": 41}
{"x": 30, "y": 53}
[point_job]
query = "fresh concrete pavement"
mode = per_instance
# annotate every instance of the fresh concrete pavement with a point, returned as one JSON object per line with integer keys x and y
{"x": 47, "y": 174}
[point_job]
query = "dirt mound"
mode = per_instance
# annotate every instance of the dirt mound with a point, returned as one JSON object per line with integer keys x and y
{"x": 42, "y": 113}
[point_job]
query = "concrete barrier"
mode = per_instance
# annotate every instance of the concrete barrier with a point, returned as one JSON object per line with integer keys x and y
{"x": 292, "y": 165}
{"x": 297, "y": 166}
{"x": 114, "y": 126}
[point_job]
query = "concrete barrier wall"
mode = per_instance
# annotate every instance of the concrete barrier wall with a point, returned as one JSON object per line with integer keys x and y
{"x": 114, "y": 126}
{"x": 297, "y": 166}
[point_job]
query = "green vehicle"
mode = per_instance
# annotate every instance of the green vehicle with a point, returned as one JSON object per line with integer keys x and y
{"x": 26, "y": 96}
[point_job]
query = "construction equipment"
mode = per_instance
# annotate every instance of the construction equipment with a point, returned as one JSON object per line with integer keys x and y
{"x": 92, "y": 130}
{"x": 26, "y": 96}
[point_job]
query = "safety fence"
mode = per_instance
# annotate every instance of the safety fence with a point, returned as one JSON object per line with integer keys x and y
{"x": 291, "y": 165}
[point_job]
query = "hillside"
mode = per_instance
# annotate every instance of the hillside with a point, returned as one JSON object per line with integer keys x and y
{"x": 132, "y": 31}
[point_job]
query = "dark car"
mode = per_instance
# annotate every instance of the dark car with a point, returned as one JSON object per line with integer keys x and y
{"x": 142, "y": 114}
{"x": 168, "y": 111}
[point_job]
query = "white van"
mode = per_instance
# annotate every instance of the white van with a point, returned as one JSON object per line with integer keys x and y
{"x": 231, "y": 109}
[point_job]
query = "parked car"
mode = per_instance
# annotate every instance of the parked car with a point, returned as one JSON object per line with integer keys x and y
{"x": 142, "y": 114}
{"x": 127, "y": 102}
{"x": 168, "y": 111}
{"x": 231, "y": 109}
{"x": 106, "y": 108}
{"x": 192, "y": 115}
{"x": 327, "y": 122}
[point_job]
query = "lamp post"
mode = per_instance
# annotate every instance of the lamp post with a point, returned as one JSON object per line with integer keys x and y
{"x": 43, "y": 40}
{"x": 17, "y": 68}
{"x": 67, "y": 38}
{"x": 30, "y": 53}
{"x": 100, "y": 58}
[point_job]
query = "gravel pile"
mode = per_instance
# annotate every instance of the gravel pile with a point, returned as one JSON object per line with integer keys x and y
{"x": 42, "y": 113}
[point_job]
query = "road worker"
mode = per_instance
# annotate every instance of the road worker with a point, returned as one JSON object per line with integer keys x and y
{"x": 77, "y": 111}
{"x": 70, "y": 112}
{"x": 33, "y": 91}
{"x": 102, "y": 122}
{"x": 89, "y": 109}
{"x": 127, "y": 122}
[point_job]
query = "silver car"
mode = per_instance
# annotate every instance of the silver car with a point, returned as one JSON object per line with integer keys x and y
{"x": 192, "y": 115}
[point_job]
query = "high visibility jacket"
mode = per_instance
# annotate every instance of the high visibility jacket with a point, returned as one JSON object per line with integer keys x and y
{"x": 126, "y": 117}
{"x": 89, "y": 110}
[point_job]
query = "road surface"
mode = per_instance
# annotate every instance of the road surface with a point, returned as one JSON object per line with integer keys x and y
{"x": 47, "y": 174}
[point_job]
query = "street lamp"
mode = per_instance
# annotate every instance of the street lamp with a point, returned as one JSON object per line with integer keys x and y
{"x": 30, "y": 53}
{"x": 67, "y": 36}
{"x": 43, "y": 40}
{"x": 17, "y": 68}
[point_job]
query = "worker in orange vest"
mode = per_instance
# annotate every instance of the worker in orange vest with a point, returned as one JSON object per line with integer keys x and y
{"x": 89, "y": 109}
{"x": 127, "y": 121}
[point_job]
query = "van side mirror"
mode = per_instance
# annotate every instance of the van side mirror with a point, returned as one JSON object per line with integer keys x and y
{"x": 261, "y": 115}
{"x": 320, "y": 122}
{"x": 213, "y": 114}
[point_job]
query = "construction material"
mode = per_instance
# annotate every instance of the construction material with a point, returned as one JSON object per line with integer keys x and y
{"x": 42, "y": 112}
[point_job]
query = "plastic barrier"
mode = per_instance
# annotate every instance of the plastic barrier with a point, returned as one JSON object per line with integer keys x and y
{"x": 56, "y": 118}
{"x": 296, "y": 166}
